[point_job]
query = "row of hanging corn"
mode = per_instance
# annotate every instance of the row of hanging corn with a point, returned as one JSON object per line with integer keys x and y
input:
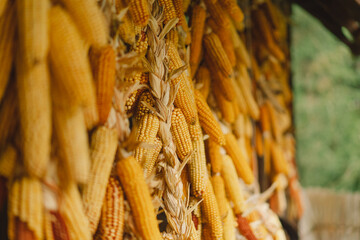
{"x": 143, "y": 119}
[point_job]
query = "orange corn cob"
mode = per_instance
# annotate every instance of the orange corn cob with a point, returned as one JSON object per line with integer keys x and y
{"x": 112, "y": 219}
{"x": 197, "y": 165}
{"x": 211, "y": 213}
{"x": 244, "y": 228}
{"x": 278, "y": 160}
{"x": 242, "y": 166}
{"x": 232, "y": 8}
{"x": 138, "y": 195}
{"x": 33, "y": 86}
{"x": 219, "y": 191}
{"x": 8, "y": 159}
{"x": 69, "y": 60}
{"x": 216, "y": 54}
{"x": 33, "y": 31}
{"x": 140, "y": 12}
{"x": 72, "y": 140}
{"x": 226, "y": 108}
{"x": 197, "y": 31}
{"x": 232, "y": 186}
{"x": 55, "y": 227}
{"x": 259, "y": 142}
{"x": 7, "y": 42}
{"x": 8, "y": 114}
{"x": 173, "y": 37}
{"x": 126, "y": 29}
{"x": 169, "y": 10}
{"x": 207, "y": 119}
{"x": 203, "y": 78}
{"x": 217, "y": 13}
{"x": 186, "y": 4}
{"x": 240, "y": 48}
{"x": 224, "y": 35}
{"x": 103, "y": 67}
{"x": 89, "y": 20}
{"x": 239, "y": 97}
{"x": 180, "y": 133}
{"x": 102, "y": 152}
{"x": 214, "y": 155}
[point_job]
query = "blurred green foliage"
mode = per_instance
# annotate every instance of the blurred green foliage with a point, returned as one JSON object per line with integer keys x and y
{"x": 326, "y": 83}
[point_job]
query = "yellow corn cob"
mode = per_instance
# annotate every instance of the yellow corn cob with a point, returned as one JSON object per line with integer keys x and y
{"x": 275, "y": 125}
{"x": 7, "y": 42}
{"x": 72, "y": 139}
{"x": 203, "y": 79}
{"x": 248, "y": 96}
{"x": 102, "y": 152}
{"x": 31, "y": 205}
{"x": 7, "y": 161}
{"x": 184, "y": 99}
{"x": 148, "y": 129}
{"x": 278, "y": 160}
{"x": 71, "y": 209}
{"x": 259, "y": 142}
{"x": 229, "y": 224}
{"x": 49, "y": 235}
{"x": 180, "y": 133}
{"x": 216, "y": 54}
{"x": 89, "y": 20}
{"x": 197, "y": 31}
{"x": 214, "y": 156}
{"x": 103, "y": 67}
{"x": 225, "y": 106}
{"x": 14, "y": 208}
{"x": 219, "y": 191}
{"x": 149, "y": 162}
{"x": 207, "y": 119}
{"x": 210, "y": 211}
{"x": 217, "y": 13}
{"x": 195, "y": 131}
{"x": 224, "y": 35}
{"x": 232, "y": 186}
{"x": 138, "y": 195}
{"x": 69, "y": 60}
{"x": 173, "y": 37}
{"x": 239, "y": 97}
{"x": 236, "y": 109}
{"x": 33, "y": 31}
{"x": 112, "y": 218}
{"x": 33, "y": 86}
{"x": 196, "y": 220}
{"x": 91, "y": 116}
{"x": 141, "y": 108}
{"x": 169, "y": 10}
{"x": 186, "y": 4}
{"x": 126, "y": 29}
{"x": 140, "y": 13}
{"x": 55, "y": 227}
{"x": 8, "y": 115}
{"x": 132, "y": 101}
{"x": 232, "y": 8}
{"x": 178, "y": 5}
{"x": 242, "y": 166}
{"x": 224, "y": 83}
{"x": 197, "y": 166}
{"x": 240, "y": 49}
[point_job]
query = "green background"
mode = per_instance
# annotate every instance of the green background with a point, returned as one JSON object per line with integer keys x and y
{"x": 326, "y": 85}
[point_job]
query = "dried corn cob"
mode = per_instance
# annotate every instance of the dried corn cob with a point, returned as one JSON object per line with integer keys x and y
{"x": 91, "y": 116}
{"x": 232, "y": 185}
{"x": 102, "y": 153}
{"x": 140, "y": 13}
{"x": 142, "y": 109}
{"x": 55, "y": 227}
{"x": 126, "y": 29}
{"x": 186, "y": 4}
{"x": 242, "y": 166}
{"x": 141, "y": 45}
{"x": 173, "y": 37}
{"x": 278, "y": 160}
{"x": 219, "y": 191}
{"x": 207, "y": 119}
{"x": 7, "y": 161}
{"x": 13, "y": 208}
{"x": 89, "y": 19}
{"x": 240, "y": 49}
{"x": 197, "y": 166}
{"x": 244, "y": 228}
{"x": 149, "y": 162}
{"x": 226, "y": 108}
{"x": 203, "y": 79}
{"x": 112, "y": 218}
{"x": 169, "y": 10}
{"x": 232, "y": 8}
{"x": 180, "y": 133}
{"x": 211, "y": 213}
{"x": 138, "y": 195}
{"x": 33, "y": 86}
{"x": 71, "y": 209}
{"x": 217, "y": 13}
{"x": 7, "y": 42}
{"x": 196, "y": 219}
{"x": 33, "y": 30}
{"x": 224, "y": 35}
{"x": 216, "y": 54}
{"x": 229, "y": 224}
{"x": 239, "y": 97}
{"x": 224, "y": 83}
{"x": 184, "y": 99}
{"x": 8, "y": 115}
{"x": 68, "y": 58}
{"x": 103, "y": 67}
{"x": 214, "y": 155}
{"x": 197, "y": 31}
{"x": 71, "y": 136}
{"x": 148, "y": 129}
{"x": 132, "y": 101}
